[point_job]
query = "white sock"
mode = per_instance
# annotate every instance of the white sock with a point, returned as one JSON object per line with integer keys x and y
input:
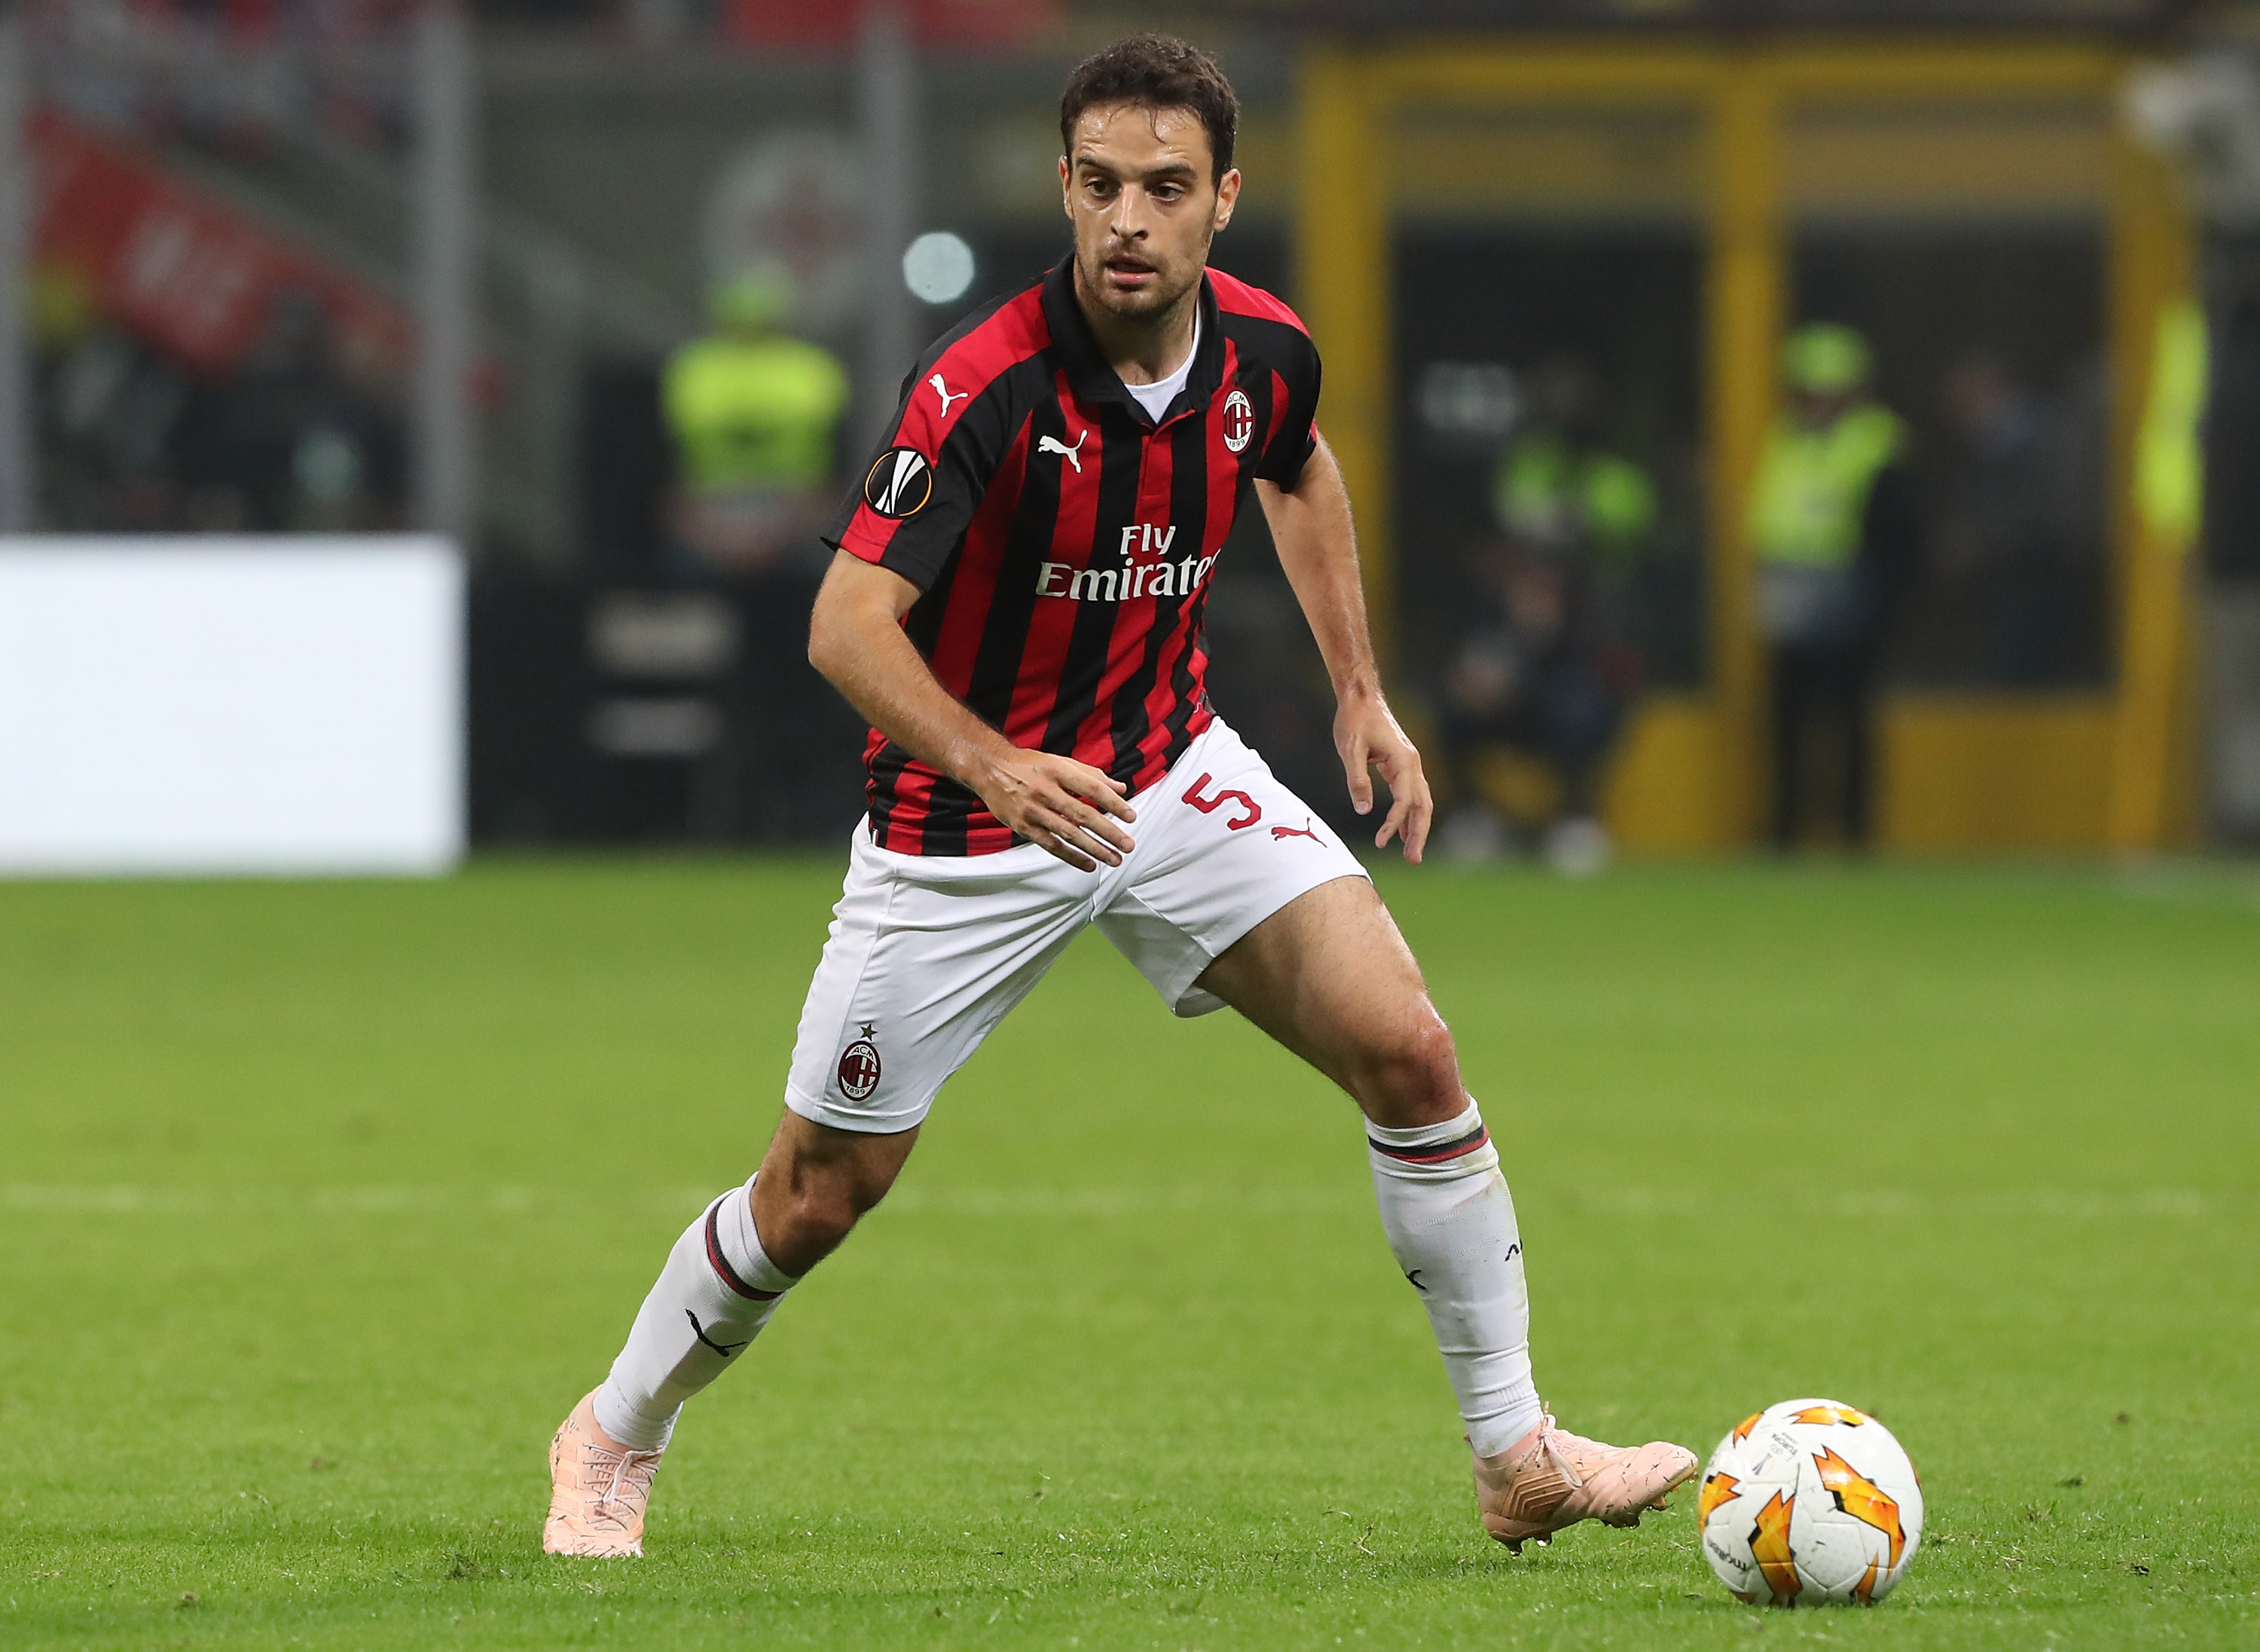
{"x": 713, "y": 1296}
{"x": 1450, "y": 1222}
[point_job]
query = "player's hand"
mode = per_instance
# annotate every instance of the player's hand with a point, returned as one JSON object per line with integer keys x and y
{"x": 1368, "y": 737}
{"x": 1069, "y": 807}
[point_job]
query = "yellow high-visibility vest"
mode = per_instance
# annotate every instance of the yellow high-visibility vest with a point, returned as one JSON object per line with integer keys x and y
{"x": 2169, "y": 452}
{"x": 1555, "y": 493}
{"x": 753, "y": 415}
{"x": 1812, "y": 486}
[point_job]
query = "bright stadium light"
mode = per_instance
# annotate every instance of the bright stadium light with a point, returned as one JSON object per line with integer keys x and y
{"x": 938, "y": 268}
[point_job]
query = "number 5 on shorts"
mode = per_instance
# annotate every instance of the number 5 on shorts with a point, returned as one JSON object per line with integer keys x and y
{"x": 1210, "y": 806}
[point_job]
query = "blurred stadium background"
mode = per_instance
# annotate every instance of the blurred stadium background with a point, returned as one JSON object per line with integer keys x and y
{"x": 411, "y": 422}
{"x": 608, "y": 295}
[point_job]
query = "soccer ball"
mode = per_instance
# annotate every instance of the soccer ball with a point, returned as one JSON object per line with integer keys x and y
{"x": 1807, "y": 1503}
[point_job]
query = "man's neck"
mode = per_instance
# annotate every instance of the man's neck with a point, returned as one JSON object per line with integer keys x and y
{"x": 1141, "y": 349}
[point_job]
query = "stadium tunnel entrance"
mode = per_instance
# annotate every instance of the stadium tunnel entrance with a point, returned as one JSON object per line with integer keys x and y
{"x": 1556, "y": 277}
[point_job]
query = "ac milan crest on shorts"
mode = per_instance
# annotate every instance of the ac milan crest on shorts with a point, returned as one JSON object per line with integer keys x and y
{"x": 927, "y": 952}
{"x": 859, "y": 1067}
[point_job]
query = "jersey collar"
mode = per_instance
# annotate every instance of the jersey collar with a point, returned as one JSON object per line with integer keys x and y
{"x": 1093, "y": 378}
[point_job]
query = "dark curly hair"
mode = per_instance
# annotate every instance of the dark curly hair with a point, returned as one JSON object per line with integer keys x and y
{"x": 1155, "y": 71}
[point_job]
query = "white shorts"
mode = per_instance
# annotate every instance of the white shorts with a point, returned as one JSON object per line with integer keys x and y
{"x": 927, "y": 952}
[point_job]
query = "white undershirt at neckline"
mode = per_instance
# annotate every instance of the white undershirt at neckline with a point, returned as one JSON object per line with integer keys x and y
{"x": 1155, "y": 398}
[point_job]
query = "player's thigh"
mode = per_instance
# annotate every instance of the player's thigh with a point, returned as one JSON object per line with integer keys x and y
{"x": 1222, "y": 846}
{"x": 923, "y": 959}
{"x": 1330, "y": 976}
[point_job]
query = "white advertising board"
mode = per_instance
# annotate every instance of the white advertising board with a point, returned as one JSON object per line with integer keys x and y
{"x": 268, "y": 706}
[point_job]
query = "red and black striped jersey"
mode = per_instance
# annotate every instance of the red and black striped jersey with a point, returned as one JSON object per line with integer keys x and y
{"x": 1062, "y": 541}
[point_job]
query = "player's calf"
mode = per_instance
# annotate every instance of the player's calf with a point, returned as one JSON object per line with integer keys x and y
{"x": 1450, "y": 1225}
{"x": 722, "y": 1282}
{"x": 713, "y": 1298}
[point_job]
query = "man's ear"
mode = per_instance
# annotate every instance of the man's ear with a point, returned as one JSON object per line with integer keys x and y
{"x": 1228, "y": 195}
{"x": 1067, "y": 203}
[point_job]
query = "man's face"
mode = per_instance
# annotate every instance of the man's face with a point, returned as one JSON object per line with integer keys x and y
{"x": 1139, "y": 193}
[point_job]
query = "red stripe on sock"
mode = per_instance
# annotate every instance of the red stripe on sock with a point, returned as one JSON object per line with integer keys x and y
{"x": 1448, "y": 1151}
{"x": 721, "y": 1263}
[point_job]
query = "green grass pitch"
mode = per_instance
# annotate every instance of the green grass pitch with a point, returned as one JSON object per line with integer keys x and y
{"x": 323, "y": 1203}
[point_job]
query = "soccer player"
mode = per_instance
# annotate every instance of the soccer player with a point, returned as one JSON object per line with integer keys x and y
{"x": 1016, "y": 605}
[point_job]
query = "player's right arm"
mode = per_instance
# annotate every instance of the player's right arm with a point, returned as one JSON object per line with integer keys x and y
{"x": 855, "y": 639}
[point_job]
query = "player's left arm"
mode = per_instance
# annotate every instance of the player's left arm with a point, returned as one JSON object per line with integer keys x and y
{"x": 1318, "y": 547}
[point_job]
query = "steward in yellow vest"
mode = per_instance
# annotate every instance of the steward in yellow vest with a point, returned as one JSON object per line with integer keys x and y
{"x": 1831, "y": 527}
{"x": 754, "y": 414}
{"x": 1808, "y": 510}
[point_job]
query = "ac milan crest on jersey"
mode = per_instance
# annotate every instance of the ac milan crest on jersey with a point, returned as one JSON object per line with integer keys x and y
{"x": 859, "y": 1067}
{"x": 1063, "y": 540}
{"x": 1239, "y": 421}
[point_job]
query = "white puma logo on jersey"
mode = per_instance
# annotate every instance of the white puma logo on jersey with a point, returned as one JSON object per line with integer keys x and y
{"x": 942, "y": 390}
{"x": 1073, "y": 456}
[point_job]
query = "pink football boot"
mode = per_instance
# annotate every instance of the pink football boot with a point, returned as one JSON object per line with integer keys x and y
{"x": 597, "y": 1489}
{"x": 1549, "y": 1479}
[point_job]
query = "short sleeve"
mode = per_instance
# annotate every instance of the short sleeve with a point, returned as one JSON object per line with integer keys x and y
{"x": 917, "y": 492}
{"x": 1295, "y": 437}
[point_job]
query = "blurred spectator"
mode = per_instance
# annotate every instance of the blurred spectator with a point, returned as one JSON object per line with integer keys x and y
{"x": 1528, "y": 676}
{"x": 1832, "y": 525}
{"x": 755, "y": 415}
{"x": 2004, "y": 537}
{"x": 110, "y": 407}
{"x": 1548, "y": 659}
{"x": 134, "y": 443}
{"x": 289, "y": 444}
{"x": 1560, "y": 491}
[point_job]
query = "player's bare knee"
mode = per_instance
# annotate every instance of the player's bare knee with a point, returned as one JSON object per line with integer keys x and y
{"x": 803, "y": 1221}
{"x": 823, "y": 1191}
{"x": 1410, "y": 1076}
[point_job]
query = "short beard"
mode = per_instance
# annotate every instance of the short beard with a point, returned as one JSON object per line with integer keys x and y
{"x": 1147, "y": 306}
